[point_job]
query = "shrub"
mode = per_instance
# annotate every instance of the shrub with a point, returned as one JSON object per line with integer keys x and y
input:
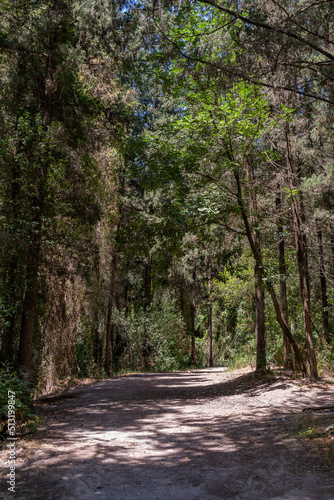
{"x": 10, "y": 381}
{"x": 159, "y": 332}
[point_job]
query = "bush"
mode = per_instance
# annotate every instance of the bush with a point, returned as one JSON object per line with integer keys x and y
{"x": 154, "y": 339}
{"x": 10, "y": 381}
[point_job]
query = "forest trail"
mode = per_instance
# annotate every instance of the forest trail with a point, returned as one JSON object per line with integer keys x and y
{"x": 201, "y": 435}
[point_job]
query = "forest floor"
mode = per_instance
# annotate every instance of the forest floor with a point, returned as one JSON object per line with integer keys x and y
{"x": 201, "y": 435}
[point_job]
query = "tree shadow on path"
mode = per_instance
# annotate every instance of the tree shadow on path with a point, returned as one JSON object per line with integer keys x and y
{"x": 188, "y": 436}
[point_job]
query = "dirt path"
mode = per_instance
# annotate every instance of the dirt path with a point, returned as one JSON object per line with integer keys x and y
{"x": 203, "y": 435}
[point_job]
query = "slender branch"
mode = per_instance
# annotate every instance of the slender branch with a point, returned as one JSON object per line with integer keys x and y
{"x": 314, "y": 4}
{"x": 239, "y": 74}
{"x": 8, "y": 48}
{"x": 268, "y": 27}
{"x": 291, "y": 17}
{"x": 181, "y": 37}
{"x": 11, "y": 19}
{"x": 243, "y": 233}
{"x": 212, "y": 179}
{"x": 282, "y": 8}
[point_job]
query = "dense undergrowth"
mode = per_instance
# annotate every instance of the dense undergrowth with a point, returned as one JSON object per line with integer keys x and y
{"x": 22, "y": 400}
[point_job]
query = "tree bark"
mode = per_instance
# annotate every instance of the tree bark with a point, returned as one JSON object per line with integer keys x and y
{"x": 260, "y": 318}
{"x": 109, "y": 355}
{"x": 323, "y": 284}
{"x": 148, "y": 283}
{"x": 34, "y": 248}
{"x": 182, "y": 301}
{"x": 282, "y": 278}
{"x": 192, "y": 318}
{"x": 93, "y": 348}
{"x": 209, "y": 360}
{"x": 147, "y": 304}
{"x": 257, "y": 256}
{"x": 302, "y": 265}
{"x": 303, "y": 223}
{"x": 193, "y": 346}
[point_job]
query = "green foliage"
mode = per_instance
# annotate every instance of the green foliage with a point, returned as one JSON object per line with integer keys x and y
{"x": 167, "y": 330}
{"x": 235, "y": 282}
{"x": 307, "y": 433}
{"x": 11, "y": 381}
{"x": 82, "y": 354}
{"x": 325, "y": 359}
{"x": 233, "y": 321}
{"x": 158, "y": 333}
{"x": 161, "y": 144}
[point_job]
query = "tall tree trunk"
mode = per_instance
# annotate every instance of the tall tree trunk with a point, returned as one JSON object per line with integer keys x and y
{"x": 302, "y": 265}
{"x": 192, "y": 318}
{"x": 12, "y": 262}
{"x": 303, "y": 223}
{"x": 147, "y": 304}
{"x": 257, "y": 256}
{"x": 323, "y": 284}
{"x": 332, "y": 255}
{"x": 260, "y": 323}
{"x": 260, "y": 318}
{"x": 209, "y": 359}
{"x": 282, "y": 277}
{"x": 182, "y": 301}
{"x": 148, "y": 283}
{"x": 184, "y": 306}
{"x": 93, "y": 348}
{"x": 34, "y": 249}
{"x": 109, "y": 355}
{"x": 193, "y": 346}
{"x": 126, "y": 295}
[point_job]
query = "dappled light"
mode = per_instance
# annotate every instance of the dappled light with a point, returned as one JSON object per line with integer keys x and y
{"x": 204, "y": 434}
{"x": 167, "y": 249}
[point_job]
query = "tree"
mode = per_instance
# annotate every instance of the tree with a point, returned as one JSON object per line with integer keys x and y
{"x": 52, "y": 131}
{"x": 302, "y": 259}
{"x": 257, "y": 42}
{"x": 222, "y": 126}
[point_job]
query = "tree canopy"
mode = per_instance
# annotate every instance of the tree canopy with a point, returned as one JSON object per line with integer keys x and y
{"x": 166, "y": 194}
